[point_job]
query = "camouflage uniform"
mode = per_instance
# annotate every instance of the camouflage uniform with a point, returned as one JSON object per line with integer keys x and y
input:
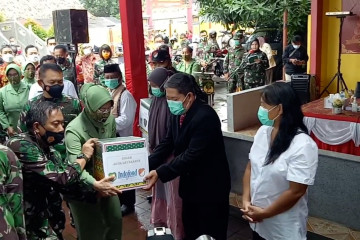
{"x": 254, "y": 73}
{"x": 71, "y": 108}
{"x": 68, "y": 72}
{"x": 211, "y": 48}
{"x": 200, "y": 51}
{"x": 12, "y": 223}
{"x": 99, "y": 70}
{"x": 43, "y": 170}
{"x": 232, "y": 64}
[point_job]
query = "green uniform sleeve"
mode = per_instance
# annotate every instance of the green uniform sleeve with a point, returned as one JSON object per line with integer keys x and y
{"x": 3, "y": 117}
{"x": 73, "y": 149}
{"x": 22, "y": 118}
{"x": 96, "y": 73}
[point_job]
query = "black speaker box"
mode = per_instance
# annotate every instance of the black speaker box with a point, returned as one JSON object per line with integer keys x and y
{"x": 71, "y": 26}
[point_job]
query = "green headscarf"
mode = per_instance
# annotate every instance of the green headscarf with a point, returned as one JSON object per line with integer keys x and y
{"x": 94, "y": 97}
{"x": 27, "y": 78}
{"x": 17, "y": 68}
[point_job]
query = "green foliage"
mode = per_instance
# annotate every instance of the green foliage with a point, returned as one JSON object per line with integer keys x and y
{"x": 36, "y": 28}
{"x": 2, "y": 17}
{"x": 256, "y": 13}
{"x": 51, "y": 31}
{"x": 102, "y": 8}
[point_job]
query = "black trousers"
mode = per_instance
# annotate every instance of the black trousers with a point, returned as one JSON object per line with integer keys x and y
{"x": 205, "y": 219}
{"x": 127, "y": 198}
{"x": 256, "y": 236}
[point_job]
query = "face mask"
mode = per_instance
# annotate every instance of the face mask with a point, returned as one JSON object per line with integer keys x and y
{"x": 111, "y": 83}
{"x": 237, "y": 43}
{"x": 296, "y": 46}
{"x": 29, "y": 75}
{"x": 33, "y": 58}
{"x": 15, "y": 81}
{"x": 101, "y": 116}
{"x": 55, "y": 91}
{"x": 176, "y": 107}
{"x": 52, "y": 138}
{"x": 157, "y": 92}
{"x": 186, "y": 57}
{"x": 106, "y": 56}
{"x": 60, "y": 60}
{"x": 157, "y": 45}
{"x": 8, "y": 58}
{"x": 263, "y": 115}
{"x": 51, "y": 49}
{"x": 87, "y": 51}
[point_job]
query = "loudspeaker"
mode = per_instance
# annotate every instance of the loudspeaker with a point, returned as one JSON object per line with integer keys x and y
{"x": 71, "y": 26}
{"x": 301, "y": 84}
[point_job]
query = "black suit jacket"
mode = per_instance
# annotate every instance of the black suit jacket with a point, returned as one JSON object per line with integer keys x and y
{"x": 299, "y": 54}
{"x": 200, "y": 158}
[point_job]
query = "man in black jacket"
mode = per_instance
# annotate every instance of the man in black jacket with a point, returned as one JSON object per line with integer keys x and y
{"x": 295, "y": 58}
{"x": 195, "y": 138}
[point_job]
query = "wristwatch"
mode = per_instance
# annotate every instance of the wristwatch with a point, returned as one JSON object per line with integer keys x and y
{"x": 83, "y": 156}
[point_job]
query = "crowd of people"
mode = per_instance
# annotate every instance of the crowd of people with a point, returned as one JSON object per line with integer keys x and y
{"x": 51, "y": 116}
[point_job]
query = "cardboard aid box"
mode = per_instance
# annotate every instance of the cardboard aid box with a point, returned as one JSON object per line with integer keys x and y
{"x": 125, "y": 157}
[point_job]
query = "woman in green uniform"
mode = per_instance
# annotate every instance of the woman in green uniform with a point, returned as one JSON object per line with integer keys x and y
{"x": 28, "y": 73}
{"x": 13, "y": 97}
{"x": 103, "y": 220}
{"x": 188, "y": 64}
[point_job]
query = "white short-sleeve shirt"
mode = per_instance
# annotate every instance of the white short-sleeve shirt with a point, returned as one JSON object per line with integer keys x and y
{"x": 297, "y": 164}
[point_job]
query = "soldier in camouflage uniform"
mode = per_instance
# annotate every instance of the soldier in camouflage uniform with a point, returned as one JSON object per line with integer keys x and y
{"x": 105, "y": 54}
{"x": 71, "y": 108}
{"x": 254, "y": 65}
{"x": 200, "y": 50}
{"x": 232, "y": 64}
{"x": 61, "y": 55}
{"x": 12, "y": 224}
{"x": 44, "y": 170}
{"x": 210, "y": 51}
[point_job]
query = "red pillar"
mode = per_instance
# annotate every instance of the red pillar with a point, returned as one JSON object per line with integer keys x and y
{"x": 316, "y": 38}
{"x": 134, "y": 52}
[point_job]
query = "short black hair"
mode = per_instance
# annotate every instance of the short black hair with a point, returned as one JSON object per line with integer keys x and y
{"x": 49, "y": 66}
{"x": 62, "y": 47}
{"x": 40, "y": 112}
{"x": 164, "y": 47}
{"x": 159, "y": 36}
{"x": 47, "y": 58}
{"x": 106, "y": 48}
{"x": 296, "y": 38}
{"x": 49, "y": 38}
{"x": 5, "y": 46}
{"x": 30, "y": 46}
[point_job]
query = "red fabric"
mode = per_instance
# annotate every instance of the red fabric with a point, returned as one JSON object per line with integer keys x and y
{"x": 134, "y": 52}
{"x": 348, "y": 148}
{"x": 316, "y": 109}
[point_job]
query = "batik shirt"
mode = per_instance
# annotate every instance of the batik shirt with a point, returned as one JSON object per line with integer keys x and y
{"x": 12, "y": 224}
{"x": 43, "y": 170}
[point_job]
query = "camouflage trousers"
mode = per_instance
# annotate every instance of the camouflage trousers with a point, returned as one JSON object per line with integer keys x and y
{"x": 235, "y": 83}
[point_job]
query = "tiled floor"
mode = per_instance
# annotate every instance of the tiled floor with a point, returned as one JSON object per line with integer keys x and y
{"x": 136, "y": 225}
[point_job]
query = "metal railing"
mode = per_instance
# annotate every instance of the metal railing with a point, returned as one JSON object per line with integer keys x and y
{"x": 23, "y": 36}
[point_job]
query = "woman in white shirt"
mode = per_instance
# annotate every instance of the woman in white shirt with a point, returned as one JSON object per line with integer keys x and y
{"x": 283, "y": 163}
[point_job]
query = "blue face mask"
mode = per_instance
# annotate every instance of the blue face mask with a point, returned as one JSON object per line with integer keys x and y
{"x": 237, "y": 43}
{"x": 157, "y": 92}
{"x": 176, "y": 107}
{"x": 263, "y": 115}
{"x": 111, "y": 83}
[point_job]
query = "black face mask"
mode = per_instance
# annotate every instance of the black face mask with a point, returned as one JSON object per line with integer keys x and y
{"x": 52, "y": 138}
{"x": 55, "y": 91}
{"x": 60, "y": 60}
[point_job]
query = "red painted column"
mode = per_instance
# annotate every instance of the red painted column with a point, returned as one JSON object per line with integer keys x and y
{"x": 316, "y": 38}
{"x": 134, "y": 52}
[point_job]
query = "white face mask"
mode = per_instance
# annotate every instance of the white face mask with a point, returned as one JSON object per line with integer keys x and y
{"x": 87, "y": 51}
{"x": 157, "y": 45}
{"x": 8, "y": 58}
{"x": 34, "y": 58}
{"x": 51, "y": 49}
{"x": 296, "y": 46}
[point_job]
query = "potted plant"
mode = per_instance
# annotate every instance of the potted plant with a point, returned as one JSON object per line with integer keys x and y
{"x": 337, "y": 106}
